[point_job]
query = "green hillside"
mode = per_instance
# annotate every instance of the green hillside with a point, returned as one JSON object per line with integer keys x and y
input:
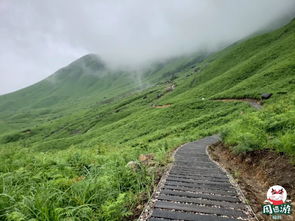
{"x": 80, "y": 85}
{"x": 66, "y": 141}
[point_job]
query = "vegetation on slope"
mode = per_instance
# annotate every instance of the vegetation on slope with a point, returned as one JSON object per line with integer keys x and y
{"x": 72, "y": 166}
{"x": 273, "y": 127}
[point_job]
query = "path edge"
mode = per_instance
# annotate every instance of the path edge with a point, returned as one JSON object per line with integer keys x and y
{"x": 235, "y": 185}
{"x": 147, "y": 210}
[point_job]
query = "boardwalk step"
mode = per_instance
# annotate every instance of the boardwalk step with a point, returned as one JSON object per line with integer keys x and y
{"x": 201, "y": 195}
{"x": 173, "y": 215}
{"x": 197, "y": 189}
{"x": 227, "y": 188}
{"x": 197, "y": 171}
{"x": 184, "y": 180}
{"x": 212, "y": 179}
{"x": 217, "y": 176}
{"x": 200, "y": 209}
{"x": 194, "y": 164}
{"x": 201, "y": 201}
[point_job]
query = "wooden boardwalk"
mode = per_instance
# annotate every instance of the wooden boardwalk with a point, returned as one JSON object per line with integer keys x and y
{"x": 197, "y": 189}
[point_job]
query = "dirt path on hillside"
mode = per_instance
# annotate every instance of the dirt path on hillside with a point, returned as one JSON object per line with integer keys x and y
{"x": 253, "y": 102}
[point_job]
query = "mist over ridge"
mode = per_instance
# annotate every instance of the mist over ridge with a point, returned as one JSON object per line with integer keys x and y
{"x": 38, "y": 38}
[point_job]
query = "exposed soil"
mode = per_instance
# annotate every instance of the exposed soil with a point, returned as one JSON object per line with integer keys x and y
{"x": 255, "y": 172}
{"x": 253, "y": 102}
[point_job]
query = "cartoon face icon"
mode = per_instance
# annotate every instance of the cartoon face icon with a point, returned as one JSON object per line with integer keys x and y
{"x": 277, "y": 195}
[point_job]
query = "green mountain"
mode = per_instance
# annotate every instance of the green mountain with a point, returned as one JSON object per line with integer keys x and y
{"x": 83, "y": 83}
{"x": 67, "y": 140}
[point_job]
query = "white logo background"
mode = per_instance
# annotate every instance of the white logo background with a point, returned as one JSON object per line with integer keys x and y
{"x": 277, "y": 197}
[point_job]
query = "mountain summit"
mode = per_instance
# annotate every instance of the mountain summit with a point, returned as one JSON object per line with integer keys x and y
{"x": 90, "y": 64}
{"x": 85, "y": 77}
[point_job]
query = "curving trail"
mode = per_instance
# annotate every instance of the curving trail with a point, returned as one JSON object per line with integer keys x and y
{"x": 196, "y": 188}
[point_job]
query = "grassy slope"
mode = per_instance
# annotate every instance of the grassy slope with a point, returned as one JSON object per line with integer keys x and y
{"x": 80, "y": 85}
{"x": 84, "y": 82}
{"x": 76, "y": 163}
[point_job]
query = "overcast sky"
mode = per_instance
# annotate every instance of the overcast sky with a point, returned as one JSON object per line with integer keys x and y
{"x": 38, "y": 37}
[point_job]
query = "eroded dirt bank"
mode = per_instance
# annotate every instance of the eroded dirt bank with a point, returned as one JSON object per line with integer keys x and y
{"x": 255, "y": 172}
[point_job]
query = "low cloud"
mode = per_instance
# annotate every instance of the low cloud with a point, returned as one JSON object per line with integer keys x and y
{"x": 39, "y": 37}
